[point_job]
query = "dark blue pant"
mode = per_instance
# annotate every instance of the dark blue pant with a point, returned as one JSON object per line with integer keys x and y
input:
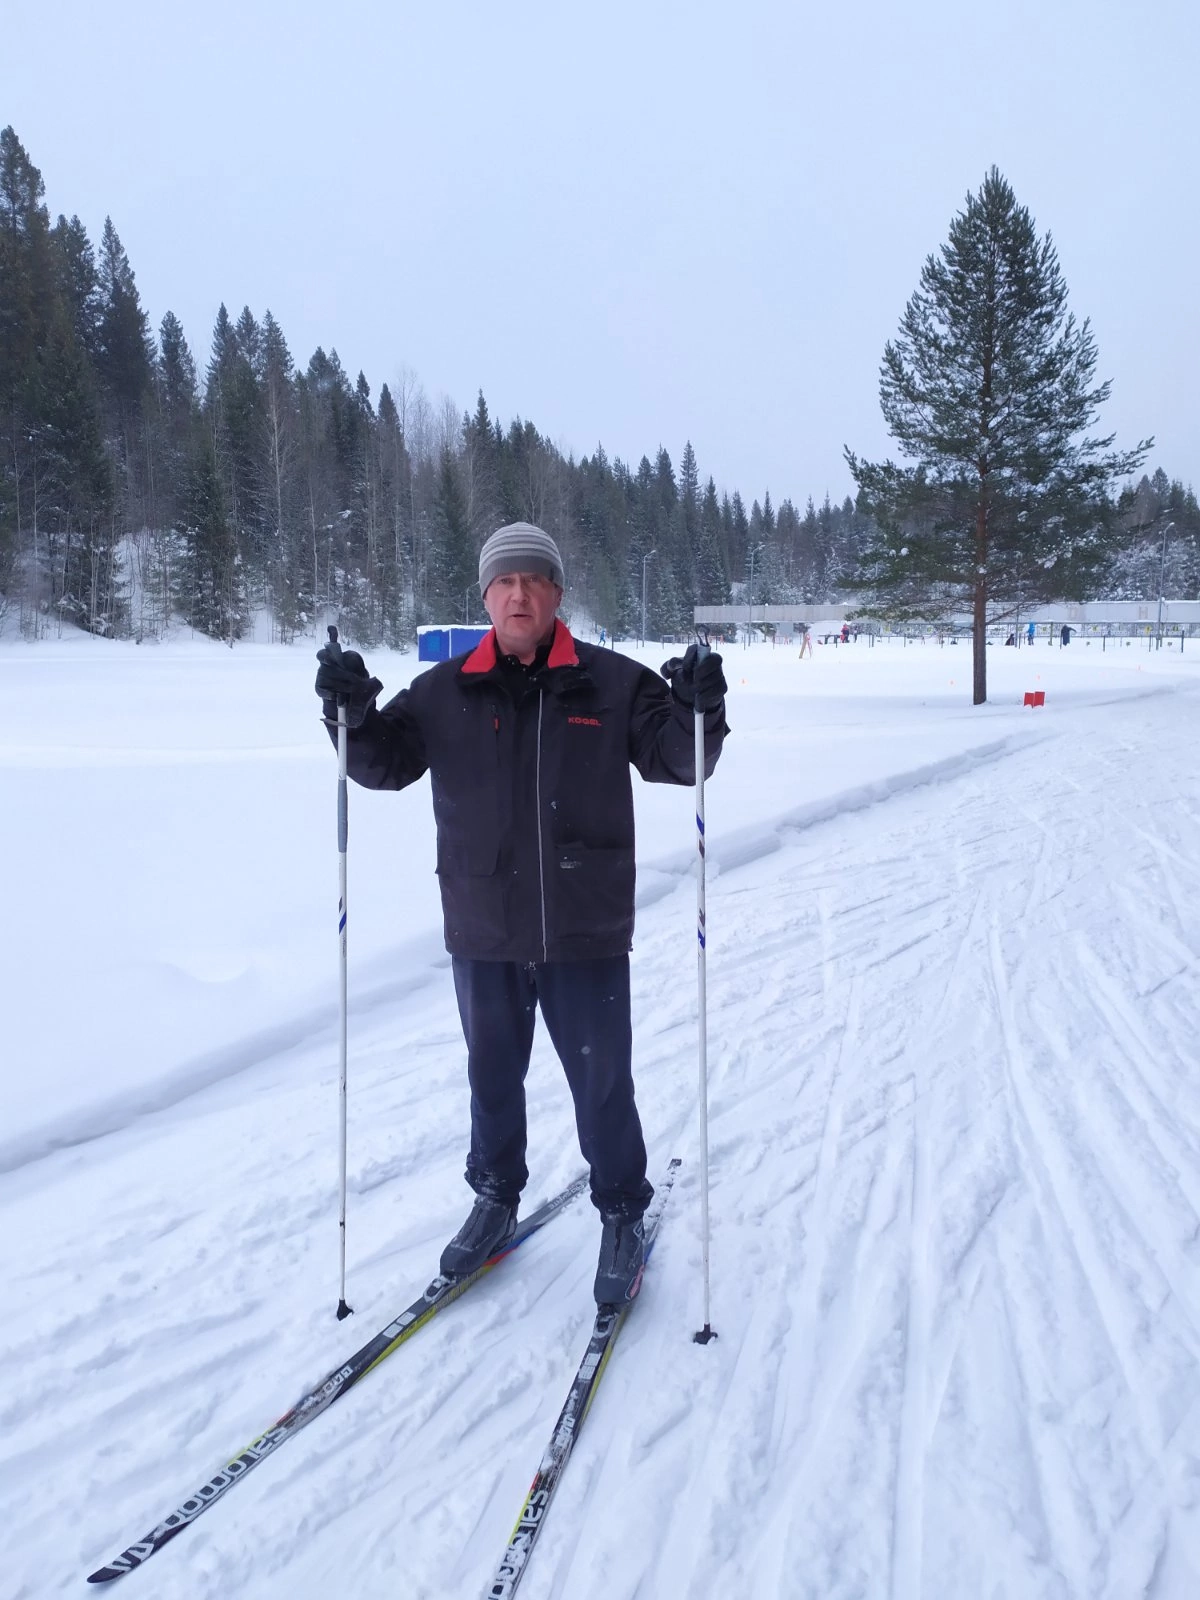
{"x": 585, "y": 1006}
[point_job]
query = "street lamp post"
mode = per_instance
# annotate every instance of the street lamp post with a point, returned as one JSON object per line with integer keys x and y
{"x": 645, "y": 558}
{"x": 754, "y": 549}
{"x": 1162, "y": 578}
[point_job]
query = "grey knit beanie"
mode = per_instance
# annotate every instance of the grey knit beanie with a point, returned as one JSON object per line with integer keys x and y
{"x": 520, "y": 547}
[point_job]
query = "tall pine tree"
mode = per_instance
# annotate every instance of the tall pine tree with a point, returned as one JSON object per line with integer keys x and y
{"x": 989, "y": 389}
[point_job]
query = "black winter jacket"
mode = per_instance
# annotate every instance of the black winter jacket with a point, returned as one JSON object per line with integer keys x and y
{"x": 531, "y": 790}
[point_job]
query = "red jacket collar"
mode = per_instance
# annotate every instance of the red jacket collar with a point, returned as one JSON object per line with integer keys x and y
{"x": 563, "y": 653}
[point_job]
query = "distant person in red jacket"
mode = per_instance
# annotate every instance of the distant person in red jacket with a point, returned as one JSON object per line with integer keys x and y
{"x": 528, "y": 741}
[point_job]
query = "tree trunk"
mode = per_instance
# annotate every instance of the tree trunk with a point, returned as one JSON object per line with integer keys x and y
{"x": 979, "y": 613}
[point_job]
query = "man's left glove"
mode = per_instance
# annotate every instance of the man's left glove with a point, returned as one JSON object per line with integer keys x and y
{"x": 696, "y": 680}
{"x": 343, "y": 676}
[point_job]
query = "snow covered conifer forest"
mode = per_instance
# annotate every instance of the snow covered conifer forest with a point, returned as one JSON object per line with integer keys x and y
{"x": 147, "y": 477}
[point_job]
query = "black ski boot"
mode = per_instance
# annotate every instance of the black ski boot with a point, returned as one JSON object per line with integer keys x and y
{"x": 490, "y": 1226}
{"x": 622, "y": 1260}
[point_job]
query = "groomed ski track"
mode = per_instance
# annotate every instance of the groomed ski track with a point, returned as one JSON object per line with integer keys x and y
{"x": 955, "y": 1135}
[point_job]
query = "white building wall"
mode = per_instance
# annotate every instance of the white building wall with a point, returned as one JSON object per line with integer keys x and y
{"x": 1122, "y": 614}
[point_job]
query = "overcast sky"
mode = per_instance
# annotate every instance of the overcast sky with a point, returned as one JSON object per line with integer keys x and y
{"x": 632, "y": 223}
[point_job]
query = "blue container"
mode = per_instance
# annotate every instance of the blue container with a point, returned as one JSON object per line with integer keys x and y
{"x": 433, "y": 644}
{"x": 439, "y": 642}
{"x": 463, "y": 639}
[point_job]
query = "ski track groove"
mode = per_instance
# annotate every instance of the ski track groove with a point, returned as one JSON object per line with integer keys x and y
{"x": 1049, "y": 1506}
{"x": 908, "y": 1518}
{"x": 1040, "y": 1144}
{"x": 827, "y": 1156}
{"x": 1054, "y": 1197}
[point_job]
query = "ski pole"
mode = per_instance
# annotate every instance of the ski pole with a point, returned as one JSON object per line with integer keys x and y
{"x": 706, "y": 1333}
{"x": 343, "y": 1309}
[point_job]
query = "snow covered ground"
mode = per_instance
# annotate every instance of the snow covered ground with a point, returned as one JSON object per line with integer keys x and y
{"x": 954, "y": 1122}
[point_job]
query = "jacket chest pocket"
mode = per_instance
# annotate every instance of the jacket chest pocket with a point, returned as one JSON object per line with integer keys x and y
{"x": 585, "y": 778}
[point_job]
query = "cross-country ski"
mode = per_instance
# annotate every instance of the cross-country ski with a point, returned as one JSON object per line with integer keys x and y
{"x": 440, "y": 1293}
{"x": 605, "y": 1329}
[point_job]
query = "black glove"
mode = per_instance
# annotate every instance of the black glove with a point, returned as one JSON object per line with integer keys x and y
{"x": 342, "y": 678}
{"x": 696, "y": 680}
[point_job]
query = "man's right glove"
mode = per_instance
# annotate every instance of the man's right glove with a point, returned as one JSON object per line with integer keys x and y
{"x": 696, "y": 680}
{"x": 343, "y": 678}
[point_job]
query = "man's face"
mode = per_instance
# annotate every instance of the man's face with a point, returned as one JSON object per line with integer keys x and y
{"x": 521, "y": 606}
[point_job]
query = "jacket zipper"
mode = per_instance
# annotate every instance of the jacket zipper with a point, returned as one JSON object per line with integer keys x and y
{"x": 538, "y": 801}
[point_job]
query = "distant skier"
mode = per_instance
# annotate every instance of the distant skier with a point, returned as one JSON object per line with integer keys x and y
{"x": 528, "y": 740}
{"x": 1031, "y": 632}
{"x": 1066, "y": 634}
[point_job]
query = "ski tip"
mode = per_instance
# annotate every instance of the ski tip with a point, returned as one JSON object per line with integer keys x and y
{"x": 104, "y": 1575}
{"x": 344, "y": 1311}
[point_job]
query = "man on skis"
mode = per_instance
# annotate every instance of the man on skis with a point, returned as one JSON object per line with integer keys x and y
{"x": 529, "y": 740}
